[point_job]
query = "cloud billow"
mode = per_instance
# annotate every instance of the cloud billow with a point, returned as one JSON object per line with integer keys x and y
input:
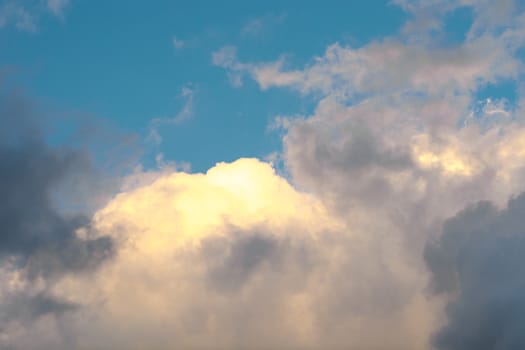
{"x": 38, "y": 239}
{"x": 258, "y": 259}
{"x": 395, "y": 146}
{"x": 479, "y": 259}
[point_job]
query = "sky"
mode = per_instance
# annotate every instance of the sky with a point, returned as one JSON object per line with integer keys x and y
{"x": 262, "y": 175}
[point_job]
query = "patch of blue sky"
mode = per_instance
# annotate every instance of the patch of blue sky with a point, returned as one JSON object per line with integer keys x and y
{"x": 504, "y": 89}
{"x": 456, "y": 25}
{"x": 492, "y": 104}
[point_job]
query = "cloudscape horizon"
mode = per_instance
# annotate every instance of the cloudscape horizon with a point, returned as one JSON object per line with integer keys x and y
{"x": 271, "y": 175}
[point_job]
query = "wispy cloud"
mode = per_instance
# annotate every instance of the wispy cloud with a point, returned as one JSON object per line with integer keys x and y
{"x": 258, "y": 26}
{"x": 57, "y": 7}
{"x": 187, "y": 97}
{"x": 187, "y": 94}
{"x": 178, "y": 43}
{"x": 226, "y": 57}
{"x": 12, "y": 13}
{"x": 25, "y": 15}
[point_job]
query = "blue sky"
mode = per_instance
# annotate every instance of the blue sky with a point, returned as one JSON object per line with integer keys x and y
{"x": 119, "y": 63}
{"x": 129, "y": 64}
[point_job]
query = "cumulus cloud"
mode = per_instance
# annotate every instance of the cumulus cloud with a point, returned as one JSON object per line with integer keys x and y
{"x": 398, "y": 143}
{"x": 394, "y": 113}
{"x": 354, "y": 249}
{"x": 478, "y": 261}
{"x": 236, "y": 255}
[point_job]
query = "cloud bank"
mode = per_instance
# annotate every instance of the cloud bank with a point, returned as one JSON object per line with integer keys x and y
{"x": 389, "y": 227}
{"x": 231, "y": 257}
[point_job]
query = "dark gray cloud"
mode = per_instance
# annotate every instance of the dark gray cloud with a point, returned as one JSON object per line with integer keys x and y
{"x": 30, "y": 222}
{"x": 351, "y": 149}
{"x": 480, "y": 258}
{"x": 28, "y": 219}
{"x": 70, "y": 255}
{"x": 35, "y": 232}
{"x": 27, "y": 307}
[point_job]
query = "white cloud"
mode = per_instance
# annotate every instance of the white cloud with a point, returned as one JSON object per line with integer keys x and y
{"x": 384, "y": 67}
{"x": 187, "y": 96}
{"x": 233, "y": 256}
